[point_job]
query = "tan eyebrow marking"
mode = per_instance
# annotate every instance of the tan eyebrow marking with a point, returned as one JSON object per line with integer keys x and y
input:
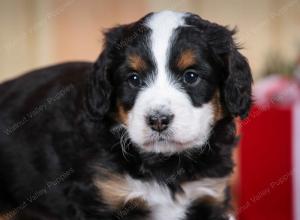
{"x": 186, "y": 59}
{"x": 136, "y": 62}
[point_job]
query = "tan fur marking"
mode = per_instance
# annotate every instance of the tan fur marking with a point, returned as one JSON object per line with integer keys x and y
{"x": 122, "y": 115}
{"x": 212, "y": 189}
{"x": 186, "y": 59}
{"x": 131, "y": 205}
{"x": 113, "y": 189}
{"x": 124, "y": 194}
{"x": 217, "y": 107}
{"x": 208, "y": 200}
{"x": 137, "y": 202}
{"x": 137, "y": 63}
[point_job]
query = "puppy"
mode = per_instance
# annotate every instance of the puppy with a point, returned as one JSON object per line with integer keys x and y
{"x": 145, "y": 132}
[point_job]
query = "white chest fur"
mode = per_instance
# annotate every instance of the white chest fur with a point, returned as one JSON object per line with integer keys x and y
{"x": 164, "y": 206}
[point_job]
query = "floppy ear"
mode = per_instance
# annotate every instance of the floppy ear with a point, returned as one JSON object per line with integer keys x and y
{"x": 99, "y": 87}
{"x": 237, "y": 84}
{"x": 236, "y": 77}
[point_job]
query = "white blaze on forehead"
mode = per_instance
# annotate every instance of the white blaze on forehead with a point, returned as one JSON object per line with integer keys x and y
{"x": 162, "y": 25}
{"x": 191, "y": 125}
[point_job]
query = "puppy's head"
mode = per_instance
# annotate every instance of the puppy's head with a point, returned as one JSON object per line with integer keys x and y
{"x": 168, "y": 78}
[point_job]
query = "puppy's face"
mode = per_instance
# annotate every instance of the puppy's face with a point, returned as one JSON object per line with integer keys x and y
{"x": 167, "y": 80}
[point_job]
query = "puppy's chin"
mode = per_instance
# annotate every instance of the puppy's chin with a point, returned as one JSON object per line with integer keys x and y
{"x": 170, "y": 146}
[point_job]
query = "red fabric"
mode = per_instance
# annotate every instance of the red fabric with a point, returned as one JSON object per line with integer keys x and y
{"x": 266, "y": 165}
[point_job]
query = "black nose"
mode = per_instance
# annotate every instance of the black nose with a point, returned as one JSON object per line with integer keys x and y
{"x": 159, "y": 122}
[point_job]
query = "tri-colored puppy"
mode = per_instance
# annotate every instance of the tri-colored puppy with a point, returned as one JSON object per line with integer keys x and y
{"x": 145, "y": 132}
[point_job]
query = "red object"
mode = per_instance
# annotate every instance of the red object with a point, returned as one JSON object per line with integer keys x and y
{"x": 266, "y": 165}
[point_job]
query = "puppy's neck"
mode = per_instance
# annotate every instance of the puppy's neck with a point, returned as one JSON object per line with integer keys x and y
{"x": 211, "y": 160}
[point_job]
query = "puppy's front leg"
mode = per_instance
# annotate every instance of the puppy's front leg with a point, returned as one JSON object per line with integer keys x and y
{"x": 207, "y": 210}
{"x": 135, "y": 209}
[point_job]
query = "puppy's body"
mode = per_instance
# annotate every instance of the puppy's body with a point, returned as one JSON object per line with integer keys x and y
{"x": 146, "y": 132}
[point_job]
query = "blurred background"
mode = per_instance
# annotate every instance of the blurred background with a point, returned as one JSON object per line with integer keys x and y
{"x": 266, "y": 184}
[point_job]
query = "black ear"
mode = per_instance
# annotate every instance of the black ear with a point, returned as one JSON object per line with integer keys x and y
{"x": 237, "y": 84}
{"x": 99, "y": 87}
{"x": 236, "y": 79}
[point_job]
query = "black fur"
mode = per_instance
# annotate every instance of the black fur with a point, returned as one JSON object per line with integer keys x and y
{"x": 56, "y": 125}
{"x": 236, "y": 78}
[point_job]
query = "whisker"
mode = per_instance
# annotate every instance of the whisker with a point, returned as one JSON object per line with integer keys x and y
{"x": 124, "y": 142}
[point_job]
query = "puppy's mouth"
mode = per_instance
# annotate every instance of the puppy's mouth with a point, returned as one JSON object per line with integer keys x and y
{"x": 165, "y": 141}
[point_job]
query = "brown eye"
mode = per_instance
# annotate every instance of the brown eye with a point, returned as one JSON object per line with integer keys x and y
{"x": 134, "y": 80}
{"x": 191, "y": 77}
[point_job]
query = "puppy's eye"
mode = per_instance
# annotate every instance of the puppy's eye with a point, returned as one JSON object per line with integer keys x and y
{"x": 134, "y": 80}
{"x": 191, "y": 77}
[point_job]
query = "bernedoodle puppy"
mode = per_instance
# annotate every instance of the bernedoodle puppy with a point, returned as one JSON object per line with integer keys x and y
{"x": 145, "y": 132}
